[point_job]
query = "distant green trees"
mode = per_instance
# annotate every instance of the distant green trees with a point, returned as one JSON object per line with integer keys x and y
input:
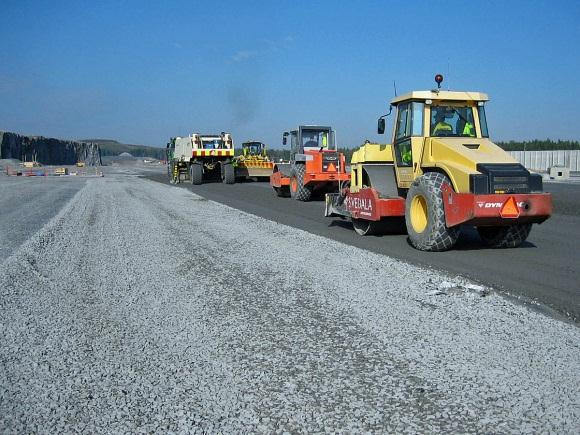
{"x": 539, "y": 145}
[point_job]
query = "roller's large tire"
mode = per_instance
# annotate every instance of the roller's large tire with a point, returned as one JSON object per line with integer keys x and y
{"x": 510, "y": 236}
{"x": 298, "y": 190}
{"x": 229, "y": 174}
{"x": 425, "y": 215}
{"x": 195, "y": 173}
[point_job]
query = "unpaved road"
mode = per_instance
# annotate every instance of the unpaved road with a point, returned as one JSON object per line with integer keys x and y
{"x": 544, "y": 270}
{"x": 142, "y": 307}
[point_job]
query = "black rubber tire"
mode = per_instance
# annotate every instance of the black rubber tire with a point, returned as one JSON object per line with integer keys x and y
{"x": 195, "y": 174}
{"x": 435, "y": 236}
{"x": 299, "y": 191}
{"x": 510, "y": 236}
{"x": 229, "y": 174}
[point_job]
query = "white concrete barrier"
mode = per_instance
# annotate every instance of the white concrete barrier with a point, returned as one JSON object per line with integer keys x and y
{"x": 543, "y": 160}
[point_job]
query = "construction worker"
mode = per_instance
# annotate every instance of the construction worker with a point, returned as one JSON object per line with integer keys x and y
{"x": 310, "y": 139}
{"x": 465, "y": 126}
{"x": 468, "y": 130}
{"x": 406, "y": 155}
{"x": 441, "y": 128}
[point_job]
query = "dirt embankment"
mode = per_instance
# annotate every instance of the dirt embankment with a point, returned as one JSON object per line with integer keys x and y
{"x": 48, "y": 151}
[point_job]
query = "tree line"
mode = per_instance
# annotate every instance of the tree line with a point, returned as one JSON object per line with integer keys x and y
{"x": 540, "y": 145}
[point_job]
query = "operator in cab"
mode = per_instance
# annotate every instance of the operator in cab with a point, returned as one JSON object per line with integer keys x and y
{"x": 441, "y": 128}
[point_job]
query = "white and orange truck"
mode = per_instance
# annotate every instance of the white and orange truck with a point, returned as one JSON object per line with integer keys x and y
{"x": 201, "y": 157}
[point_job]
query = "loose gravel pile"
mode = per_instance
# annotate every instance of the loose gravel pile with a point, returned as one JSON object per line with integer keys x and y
{"x": 141, "y": 307}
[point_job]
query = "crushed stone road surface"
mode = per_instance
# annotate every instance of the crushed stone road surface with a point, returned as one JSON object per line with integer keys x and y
{"x": 544, "y": 270}
{"x": 141, "y": 307}
{"x": 27, "y": 203}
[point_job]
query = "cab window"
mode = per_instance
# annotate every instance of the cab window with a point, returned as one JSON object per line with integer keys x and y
{"x": 417, "y": 129}
{"x": 253, "y": 148}
{"x": 294, "y": 142}
{"x": 482, "y": 121}
{"x": 403, "y": 121}
{"x": 454, "y": 121}
{"x": 410, "y": 120}
{"x": 315, "y": 138}
{"x": 403, "y": 153}
{"x": 409, "y": 123}
{"x": 213, "y": 143}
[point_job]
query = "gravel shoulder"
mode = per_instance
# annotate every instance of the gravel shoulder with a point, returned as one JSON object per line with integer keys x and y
{"x": 140, "y": 307}
{"x": 543, "y": 271}
{"x": 28, "y": 203}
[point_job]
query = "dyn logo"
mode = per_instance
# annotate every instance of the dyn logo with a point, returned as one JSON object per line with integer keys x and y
{"x": 483, "y": 204}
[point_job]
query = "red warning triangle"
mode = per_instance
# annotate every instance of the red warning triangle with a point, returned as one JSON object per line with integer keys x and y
{"x": 331, "y": 167}
{"x": 510, "y": 208}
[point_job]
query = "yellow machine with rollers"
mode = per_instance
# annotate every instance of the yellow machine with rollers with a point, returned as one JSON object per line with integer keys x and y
{"x": 441, "y": 172}
{"x": 253, "y": 162}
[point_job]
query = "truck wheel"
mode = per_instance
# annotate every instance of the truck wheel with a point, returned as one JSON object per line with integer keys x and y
{"x": 510, "y": 236}
{"x": 229, "y": 175}
{"x": 425, "y": 215}
{"x": 298, "y": 190}
{"x": 195, "y": 173}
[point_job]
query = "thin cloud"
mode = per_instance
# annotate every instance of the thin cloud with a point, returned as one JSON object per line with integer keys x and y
{"x": 243, "y": 55}
{"x": 271, "y": 47}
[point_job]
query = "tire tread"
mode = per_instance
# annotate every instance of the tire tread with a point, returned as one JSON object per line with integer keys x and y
{"x": 439, "y": 237}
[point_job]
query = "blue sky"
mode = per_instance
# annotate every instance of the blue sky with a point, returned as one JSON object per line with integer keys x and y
{"x": 140, "y": 71}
